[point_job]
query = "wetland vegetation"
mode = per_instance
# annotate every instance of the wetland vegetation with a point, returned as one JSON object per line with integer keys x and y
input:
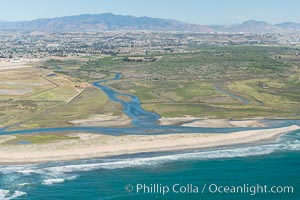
{"x": 175, "y": 85}
{"x": 181, "y": 84}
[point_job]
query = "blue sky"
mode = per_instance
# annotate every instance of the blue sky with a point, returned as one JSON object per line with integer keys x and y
{"x": 193, "y": 11}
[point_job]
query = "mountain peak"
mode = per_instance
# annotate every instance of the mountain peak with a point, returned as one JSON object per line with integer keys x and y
{"x": 255, "y": 22}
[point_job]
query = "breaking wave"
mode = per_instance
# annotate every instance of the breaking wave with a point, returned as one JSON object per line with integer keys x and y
{"x": 61, "y": 172}
{"x": 201, "y": 155}
{"x": 7, "y": 194}
{"x": 52, "y": 181}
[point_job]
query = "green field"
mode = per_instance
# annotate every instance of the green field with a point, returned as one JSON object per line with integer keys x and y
{"x": 90, "y": 102}
{"x": 37, "y": 97}
{"x": 183, "y": 83}
{"x": 178, "y": 84}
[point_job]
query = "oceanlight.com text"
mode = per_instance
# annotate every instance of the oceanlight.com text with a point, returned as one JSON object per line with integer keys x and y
{"x": 156, "y": 188}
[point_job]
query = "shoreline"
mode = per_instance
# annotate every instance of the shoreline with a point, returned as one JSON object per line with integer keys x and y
{"x": 99, "y": 146}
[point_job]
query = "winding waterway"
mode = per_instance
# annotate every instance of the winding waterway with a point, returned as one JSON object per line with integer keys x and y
{"x": 275, "y": 163}
{"x": 143, "y": 122}
{"x": 239, "y": 98}
{"x": 132, "y": 108}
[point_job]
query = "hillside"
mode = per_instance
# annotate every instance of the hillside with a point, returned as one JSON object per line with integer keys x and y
{"x": 112, "y": 22}
{"x": 101, "y": 22}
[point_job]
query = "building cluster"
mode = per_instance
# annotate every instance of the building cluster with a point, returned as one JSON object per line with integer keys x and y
{"x": 35, "y": 45}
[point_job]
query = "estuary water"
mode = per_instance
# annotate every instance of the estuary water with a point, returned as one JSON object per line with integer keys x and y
{"x": 270, "y": 164}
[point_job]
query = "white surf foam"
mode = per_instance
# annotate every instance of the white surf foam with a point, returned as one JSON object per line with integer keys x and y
{"x": 8, "y": 195}
{"x": 23, "y": 184}
{"x": 3, "y": 193}
{"x": 27, "y": 171}
{"x": 53, "y": 181}
{"x": 63, "y": 172}
{"x": 17, "y": 194}
{"x": 10, "y": 169}
{"x": 202, "y": 155}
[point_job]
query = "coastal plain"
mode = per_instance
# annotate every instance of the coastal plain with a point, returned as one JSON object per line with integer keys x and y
{"x": 208, "y": 86}
{"x": 32, "y": 97}
{"x": 206, "y": 82}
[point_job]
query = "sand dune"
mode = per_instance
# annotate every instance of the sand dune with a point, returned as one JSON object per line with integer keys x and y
{"x": 221, "y": 123}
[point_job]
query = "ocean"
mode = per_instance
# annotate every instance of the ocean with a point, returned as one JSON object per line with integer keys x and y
{"x": 247, "y": 166}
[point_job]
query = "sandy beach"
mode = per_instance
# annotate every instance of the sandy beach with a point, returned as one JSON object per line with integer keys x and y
{"x": 108, "y": 120}
{"x": 213, "y": 123}
{"x": 89, "y": 145}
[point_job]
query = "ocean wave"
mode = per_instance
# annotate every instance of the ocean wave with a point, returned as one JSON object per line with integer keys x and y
{"x": 27, "y": 171}
{"x": 200, "y": 155}
{"x": 10, "y": 169}
{"x": 64, "y": 171}
{"x": 53, "y": 181}
{"x": 8, "y": 195}
{"x": 23, "y": 184}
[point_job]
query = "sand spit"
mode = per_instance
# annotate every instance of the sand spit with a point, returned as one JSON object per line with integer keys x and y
{"x": 96, "y": 145}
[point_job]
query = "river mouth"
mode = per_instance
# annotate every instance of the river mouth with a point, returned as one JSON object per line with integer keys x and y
{"x": 131, "y": 105}
{"x": 144, "y": 122}
{"x": 29, "y": 177}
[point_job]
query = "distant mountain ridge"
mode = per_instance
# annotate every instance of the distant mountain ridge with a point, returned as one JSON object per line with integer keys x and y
{"x": 253, "y": 26}
{"x": 109, "y": 22}
{"x": 101, "y": 22}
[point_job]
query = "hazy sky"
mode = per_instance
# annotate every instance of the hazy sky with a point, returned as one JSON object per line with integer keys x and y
{"x": 194, "y": 11}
